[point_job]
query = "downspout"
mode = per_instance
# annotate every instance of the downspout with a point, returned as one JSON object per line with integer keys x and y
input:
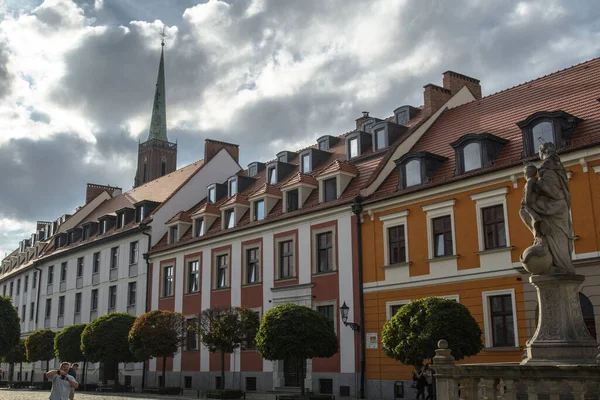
{"x": 144, "y": 227}
{"x": 357, "y": 209}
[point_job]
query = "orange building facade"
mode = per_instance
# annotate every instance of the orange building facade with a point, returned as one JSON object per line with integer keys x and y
{"x": 442, "y": 218}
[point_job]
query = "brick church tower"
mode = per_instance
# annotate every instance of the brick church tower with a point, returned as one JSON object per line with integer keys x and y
{"x": 157, "y": 156}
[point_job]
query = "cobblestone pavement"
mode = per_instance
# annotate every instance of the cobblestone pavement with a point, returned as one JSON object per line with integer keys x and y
{"x": 31, "y": 395}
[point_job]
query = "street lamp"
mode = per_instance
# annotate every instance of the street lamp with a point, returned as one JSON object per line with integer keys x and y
{"x": 344, "y": 310}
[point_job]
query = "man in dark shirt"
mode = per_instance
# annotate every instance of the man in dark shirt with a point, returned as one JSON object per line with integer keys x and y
{"x": 73, "y": 373}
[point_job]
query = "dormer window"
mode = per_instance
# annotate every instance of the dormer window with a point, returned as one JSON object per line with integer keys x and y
{"x": 380, "y": 139}
{"x": 173, "y": 234}
{"x": 404, "y": 114}
{"x": 330, "y": 188}
{"x": 140, "y": 214}
{"x": 232, "y": 186}
{"x": 305, "y": 164}
{"x": 271, "y": 173}
{"x": 476, "y": 150}
{"x": 323, "y": 145}
{"x": 199, "y": 228}
{"x": 252, "y": 170}
{"x": 292, "y": 200}
{"x": 358, "y": 143}
{"x": 229, "y": 219}
{"x": 255, "y": 168}
{"x": 212, "y": 194}
{"x": 353, "y": 148}
{"x": 417, "y": 168}
{"x": 259, "y": 210}
{"x": 541, "y": 127}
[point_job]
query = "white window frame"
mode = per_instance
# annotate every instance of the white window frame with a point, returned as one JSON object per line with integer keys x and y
{"x": 390, "y": 304}
{"x": 234, "y": 179}
{"x": 245, "y": 248}
{"x": 336, "y": 315}
{"x": 487, "y": 315}
{"x": 215, "y": 283}
{"x": 487, "y": 199}
{"x": 315, "y": 248}
{"x": 440, "y": 209}
{"x": 390, "y": 221}
{"x": 212, "y": 187}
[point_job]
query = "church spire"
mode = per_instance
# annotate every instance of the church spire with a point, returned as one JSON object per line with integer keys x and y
{"x": 158, "y": 124}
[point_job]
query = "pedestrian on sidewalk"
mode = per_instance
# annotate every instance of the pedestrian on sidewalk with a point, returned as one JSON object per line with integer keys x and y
{"x": 61, "y": 382}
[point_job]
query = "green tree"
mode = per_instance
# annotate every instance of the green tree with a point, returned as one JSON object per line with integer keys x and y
{"x": 157, "y": 334}
{"x": 10, "y": 327}
{"x": 412, "y": 334}
{"x": 67, "y": 346}
{"x": 105, "y": 339}
{"x": 40, "y": 346}
{"x": 295, "y": 333}
{"x": 16, "y": 355}
{"x": 224, "y": 329}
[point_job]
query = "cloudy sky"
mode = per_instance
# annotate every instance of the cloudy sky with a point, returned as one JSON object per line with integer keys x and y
{"x": 77, "y": 77}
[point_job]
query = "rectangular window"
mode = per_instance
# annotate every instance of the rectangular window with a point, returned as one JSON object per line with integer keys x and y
{"x": 77, "y": 303}
{"x": 306, "y": 163}
{"x": 131, "y": 293}
{"x": 229, "y": 219}
{"x": 63, "y": 271}
{"x": 327, "y": 312}
{"x": 272, "y": 175}
{"x": 112, "y": 296}
{"x": 96, "y": 263}
{"x": 259, "y": 210}
{"x": 18, "y": 286}
{"x": 114, "y": 258}
{"x": 395, "y": 308}
{"x": 397, "y": 244}
{"x": 34, "y": 283}
{"x": 26, "y": 284}
{"x": 252, "y": 265}
{"x": 286, "y": 259}
{"x": 353, "y": 147}
{"x": 94, "y": 300}
{"x": 292, "y": 200}
{"x": 251, "y": 384}
{"x": 133, "y": 253}
{"x": 212, "y": 194}
{"x": 222, "y": 265}
{"x": 4, "y": 291}
{"x": 48, "y": 308}
{"x": 168, "y": 281}
{"x": 173, "y": 237}
{"x": 232, "y": 187}
{"x": 330, "y": 187}
{"x": 140, "y": 214}
{"x": 31, "y": 308}
{"x": 23, "y": 313}
{"x": 199, "y": 227}
{"x": 61, "y": 306}
{"x": 193, "y": 278}
{"x": 380, "y": 139}
{"x": 442, "y": 236}
{"x": 323, "y": 145}
{"x": 494, "y": 231}
{"x": 191, "y": 338}
{"x": 325, "y": 252}
{"x": 252, "y": 170}
{"x": 501, "y": 315}
{"x": 80, "y": 267}
{"x": 12, "y": 287}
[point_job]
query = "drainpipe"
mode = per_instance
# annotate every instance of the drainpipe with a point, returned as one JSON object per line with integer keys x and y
{"x": 144, "y": 227}
{"x": 357, "y": 209}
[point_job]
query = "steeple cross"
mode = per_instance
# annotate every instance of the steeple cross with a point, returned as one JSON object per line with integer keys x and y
{"x": 163, "y": 35}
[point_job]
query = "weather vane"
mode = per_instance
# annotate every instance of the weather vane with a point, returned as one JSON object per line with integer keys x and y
{"x": 163, "y": 35}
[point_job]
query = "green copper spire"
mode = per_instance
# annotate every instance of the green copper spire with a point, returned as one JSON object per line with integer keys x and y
{"x": 158, "y": 124}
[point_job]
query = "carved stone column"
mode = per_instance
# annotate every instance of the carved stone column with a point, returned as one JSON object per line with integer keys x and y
{"x": 561, "y": 336}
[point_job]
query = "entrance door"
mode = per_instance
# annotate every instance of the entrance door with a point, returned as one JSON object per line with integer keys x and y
{"x": 291, "y": 374}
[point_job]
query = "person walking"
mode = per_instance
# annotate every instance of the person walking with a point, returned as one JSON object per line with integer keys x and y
{"x": 73, "y": 372}
{"x": 62, "y": 382}
{"x": 421, "y": 382}
{"x": 428, "y": 374}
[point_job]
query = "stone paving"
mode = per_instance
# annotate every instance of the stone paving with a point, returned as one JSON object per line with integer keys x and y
{"x": 33, "y": 395}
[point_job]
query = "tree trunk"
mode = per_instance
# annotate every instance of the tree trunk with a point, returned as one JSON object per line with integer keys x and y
{"x": 11, "y": 372}
{"x": 164, "y": 371}
{"x": 301, "y": 364}
{"x": 20, "y": 371}
{"x": 222, "y": 369}
{"x": 84, "y": 376}
{"x": 45, "y": 378}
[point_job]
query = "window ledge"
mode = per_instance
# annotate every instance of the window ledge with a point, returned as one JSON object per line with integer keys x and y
{"x": 317, "y": 274}
{"x": 398, "y": 265}
{"x": 223, "y": 289}
{"x": 495, "y": 250}
{"x": 191, "y": 293}
{"x": 133, "y": 264}
{"x": 502, "y": 349}
{"x": 245, "y": 285}
{"x": 442, "y": 258}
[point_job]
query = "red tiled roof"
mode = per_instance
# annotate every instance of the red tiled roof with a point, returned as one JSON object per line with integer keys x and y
{"x": 338, "y": 165}
{"x": 181, "y": 216}
{"x": 236, "y": 199}
{"x": 207, "y": 208}
{"x": 300, "y": 178}
{"x": 574, "y": 90}
{"x": 266, "y": 189}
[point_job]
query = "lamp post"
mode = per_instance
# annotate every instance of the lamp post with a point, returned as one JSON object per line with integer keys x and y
{"x": 344, "y": 310}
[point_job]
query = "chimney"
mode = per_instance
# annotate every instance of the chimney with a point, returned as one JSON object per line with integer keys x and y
{"x": 93, "y": 190}
{"x": 212, "y": 147}
{"x": 434, "y": 97}
{"x": 365, "y": 116}
{"x": 454, "y": 81}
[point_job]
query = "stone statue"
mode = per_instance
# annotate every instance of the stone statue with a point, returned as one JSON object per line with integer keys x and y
{"x": 545, "y": 210}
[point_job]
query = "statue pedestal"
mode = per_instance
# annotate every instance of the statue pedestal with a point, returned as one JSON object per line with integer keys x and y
{"x": 561, "y": 337}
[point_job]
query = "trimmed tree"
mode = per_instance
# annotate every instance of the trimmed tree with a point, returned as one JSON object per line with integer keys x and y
{"x": 16, "y": 355}
{"x": 224, "y": 329}
{"x": 295, "y": 333}
{"x": 157, "y": 334}
{"x": 105, "y": 340}
{"x": 39, "y": 346}
{"x": 411, "y": 335}
{"x": 10, "y": 327}
{"x": 67, "y": 345}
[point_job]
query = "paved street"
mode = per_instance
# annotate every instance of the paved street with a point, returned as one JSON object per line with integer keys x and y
{"x": 29, "y": 395}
